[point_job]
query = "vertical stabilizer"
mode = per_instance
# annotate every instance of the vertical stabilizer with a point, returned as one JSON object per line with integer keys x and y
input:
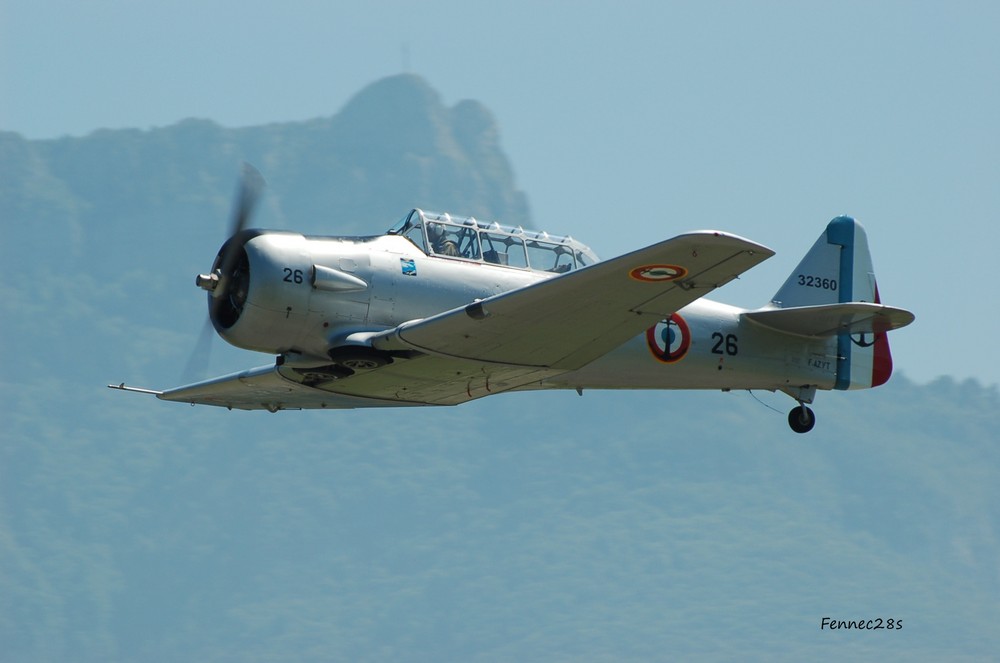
{"x": 837, "y": 270}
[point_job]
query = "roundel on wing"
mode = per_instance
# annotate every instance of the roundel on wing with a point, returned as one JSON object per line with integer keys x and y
{"x": 658, "y": 273}
{"x": 669, "y": 340}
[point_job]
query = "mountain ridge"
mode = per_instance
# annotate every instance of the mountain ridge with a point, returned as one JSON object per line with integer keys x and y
{"x": 165, "y": 180}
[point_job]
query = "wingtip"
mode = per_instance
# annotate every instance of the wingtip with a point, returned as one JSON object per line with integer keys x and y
{"x": 139, "y": 390}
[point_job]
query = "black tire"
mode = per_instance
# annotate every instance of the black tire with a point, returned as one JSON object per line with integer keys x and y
{"x": 801, "y": 419}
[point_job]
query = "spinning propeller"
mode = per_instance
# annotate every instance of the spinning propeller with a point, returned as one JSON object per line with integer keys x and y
{"x": 228, "y": 282}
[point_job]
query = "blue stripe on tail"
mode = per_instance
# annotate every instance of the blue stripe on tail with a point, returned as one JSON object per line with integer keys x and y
{"x": 841, "y": 231}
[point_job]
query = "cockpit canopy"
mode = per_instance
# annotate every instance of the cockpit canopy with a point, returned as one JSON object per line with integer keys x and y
{"x": 466, "y": 238}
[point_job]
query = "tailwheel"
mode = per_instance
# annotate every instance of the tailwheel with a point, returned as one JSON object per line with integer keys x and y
{"x": 801, "y": 419}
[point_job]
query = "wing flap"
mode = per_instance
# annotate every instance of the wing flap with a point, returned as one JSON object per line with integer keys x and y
{"x": 570, "y": 320}
{"x": 831, "y": 319}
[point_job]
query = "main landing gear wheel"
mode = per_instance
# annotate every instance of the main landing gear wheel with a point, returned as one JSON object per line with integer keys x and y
{"x": 801, "y": 419}
{"x": 362, "y": 363}
{"x": 359, "y": 358}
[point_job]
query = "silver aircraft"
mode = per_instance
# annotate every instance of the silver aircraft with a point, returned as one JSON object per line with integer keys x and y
{"x": 444, "y": 309}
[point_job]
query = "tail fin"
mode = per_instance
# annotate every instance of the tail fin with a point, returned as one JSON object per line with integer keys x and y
{"x": 838, "y": 270}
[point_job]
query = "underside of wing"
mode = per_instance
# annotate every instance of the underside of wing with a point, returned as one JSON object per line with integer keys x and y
{"x": 832, "y": 319}
{"x": 264, "y": 388}
{"x": 568, "y": 321}
{"x": 424, "y": 379}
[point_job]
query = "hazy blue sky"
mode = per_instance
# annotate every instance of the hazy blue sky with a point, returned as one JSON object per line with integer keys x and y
{"x": 625, "y": 123}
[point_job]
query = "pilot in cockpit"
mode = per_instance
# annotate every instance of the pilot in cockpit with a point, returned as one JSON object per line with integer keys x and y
{"x": 440, "y": 242}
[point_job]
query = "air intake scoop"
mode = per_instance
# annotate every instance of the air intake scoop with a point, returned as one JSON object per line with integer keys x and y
{"x": 334, "y": 280}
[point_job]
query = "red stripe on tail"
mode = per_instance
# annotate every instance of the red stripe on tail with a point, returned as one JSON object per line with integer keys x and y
{"x": 882, "y": 360}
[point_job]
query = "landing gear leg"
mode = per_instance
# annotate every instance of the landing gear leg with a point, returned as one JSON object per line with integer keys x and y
{"x": 801, "y": 419}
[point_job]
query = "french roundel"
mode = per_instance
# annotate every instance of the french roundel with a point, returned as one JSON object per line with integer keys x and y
{"x": 669, "y": 340}
{"x": 658, "y": 273}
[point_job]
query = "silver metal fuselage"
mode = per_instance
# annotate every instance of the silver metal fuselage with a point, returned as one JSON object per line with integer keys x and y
{"x": 307, "y": 295}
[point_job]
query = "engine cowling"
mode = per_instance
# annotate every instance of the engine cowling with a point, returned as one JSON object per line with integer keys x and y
{"x": 264, "y": 301}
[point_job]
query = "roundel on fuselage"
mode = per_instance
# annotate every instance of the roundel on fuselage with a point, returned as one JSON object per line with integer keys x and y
{"x": 669, "y": 339}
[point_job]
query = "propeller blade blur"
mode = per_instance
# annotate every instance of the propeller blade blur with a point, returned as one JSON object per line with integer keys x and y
{"x": 197, "y": 364}
{"x": 251, "y": 185}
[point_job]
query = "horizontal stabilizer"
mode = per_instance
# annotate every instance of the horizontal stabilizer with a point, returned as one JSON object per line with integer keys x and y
{"x": 831, "y": 319}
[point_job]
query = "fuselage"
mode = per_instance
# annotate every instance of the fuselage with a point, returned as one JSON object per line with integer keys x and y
{"x": 308, "y": 294}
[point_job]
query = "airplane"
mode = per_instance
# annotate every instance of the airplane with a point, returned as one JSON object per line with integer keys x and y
{"x": 442, "y": 309}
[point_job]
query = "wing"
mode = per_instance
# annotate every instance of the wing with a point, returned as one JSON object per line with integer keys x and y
{"x": 503, "y": 342}
{"x": 263, "y": 388}
{"x": 568, "y": 321}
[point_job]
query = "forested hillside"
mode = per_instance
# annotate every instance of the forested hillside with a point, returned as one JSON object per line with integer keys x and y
{"x": 534, "y": 526}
